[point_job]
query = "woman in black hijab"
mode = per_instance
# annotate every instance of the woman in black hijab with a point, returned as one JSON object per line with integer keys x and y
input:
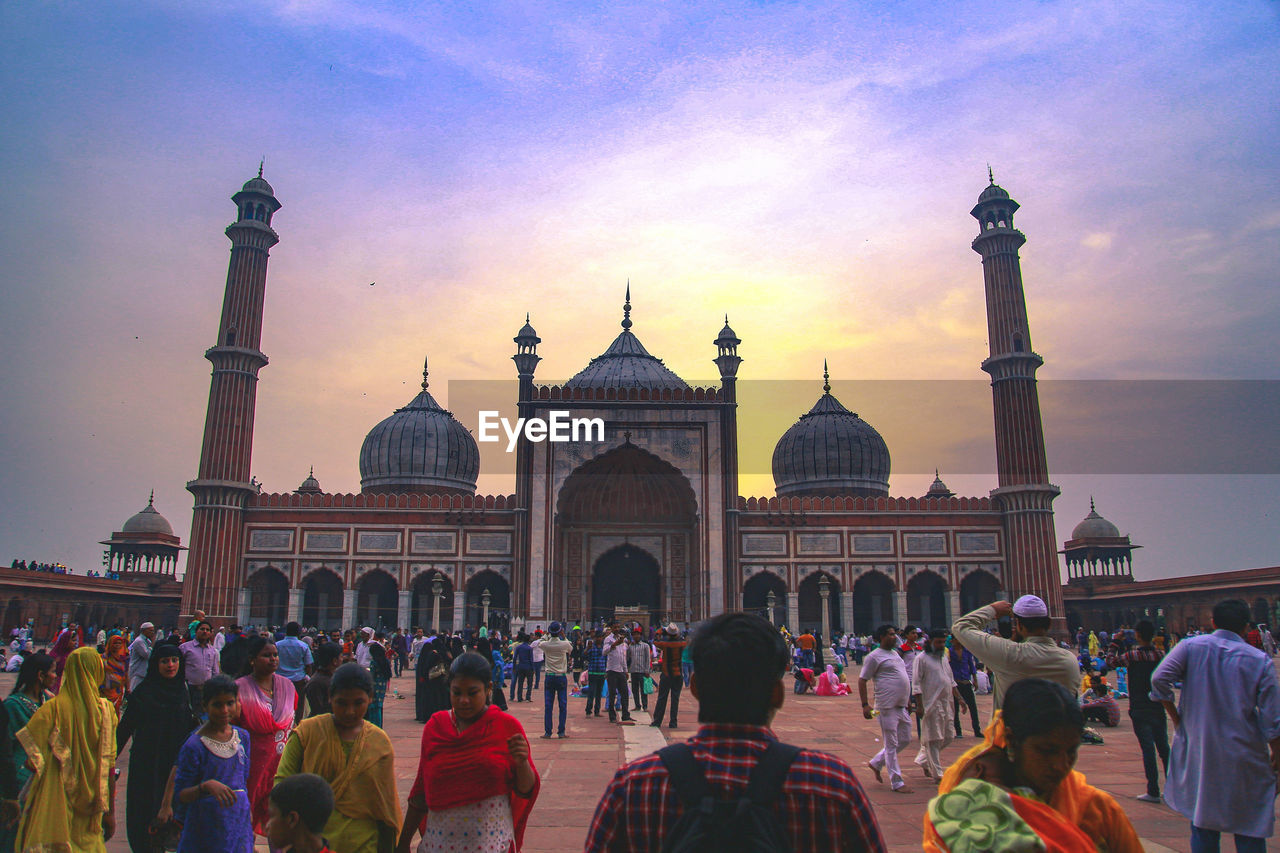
{"x": 158, "y": 717}
{"x": 432, "y": 670}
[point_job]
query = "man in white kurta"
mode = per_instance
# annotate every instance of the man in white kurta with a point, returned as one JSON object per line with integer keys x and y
{"x": 933, "y": 688}
{"x": 1226, "y": 732}
{"x": 884, "y": 666}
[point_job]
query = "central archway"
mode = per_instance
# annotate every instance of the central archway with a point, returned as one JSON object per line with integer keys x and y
{"x": 627, "y": 533}
{"x": 627, "y": 576}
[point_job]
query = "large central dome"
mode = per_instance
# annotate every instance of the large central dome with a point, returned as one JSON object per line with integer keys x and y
{"x": 627, "y": 364}
{"x": 420, "y": 449}
{"x": 831, "y": 451}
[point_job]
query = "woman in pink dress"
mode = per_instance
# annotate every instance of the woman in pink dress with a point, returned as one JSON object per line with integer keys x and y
{"x": 267, "y": 704}
{"x": 67, "y": 641}
{"x": 829, "y": 684}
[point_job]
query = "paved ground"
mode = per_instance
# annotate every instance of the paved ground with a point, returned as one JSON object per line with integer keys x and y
{"x": 576, "y": 770}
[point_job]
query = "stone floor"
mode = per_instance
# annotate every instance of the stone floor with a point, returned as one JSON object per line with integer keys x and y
{"x": 576, "y": 770}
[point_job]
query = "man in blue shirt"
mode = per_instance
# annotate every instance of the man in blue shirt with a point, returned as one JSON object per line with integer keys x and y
{"x": 295, "y": 662}
{"x": 963, "y": 667}
{"x": 597, "y": 661}
{"x": 523, "y": 669}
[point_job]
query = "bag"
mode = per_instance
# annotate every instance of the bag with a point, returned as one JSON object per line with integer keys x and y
{"x": 747, "y": 825}
{"x": 437, "y": 671}
{"x": 649, "y": 686}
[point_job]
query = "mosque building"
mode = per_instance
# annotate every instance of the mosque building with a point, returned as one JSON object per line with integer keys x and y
{"x": 647, "y": 523}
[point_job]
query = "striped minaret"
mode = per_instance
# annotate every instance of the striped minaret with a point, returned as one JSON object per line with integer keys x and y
{"x": 213, "y": 578}
{"x": 1025, "y": 495}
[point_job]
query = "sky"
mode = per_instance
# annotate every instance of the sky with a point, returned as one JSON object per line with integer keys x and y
{"x": 806, "y": 168}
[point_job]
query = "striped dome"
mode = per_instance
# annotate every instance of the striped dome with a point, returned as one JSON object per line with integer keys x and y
{"x": 419, "y": 449}
{"x": 831, "y": 451}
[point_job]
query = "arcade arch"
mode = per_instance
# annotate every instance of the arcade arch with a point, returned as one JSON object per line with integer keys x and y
{"x": 268, "y": 597}
{"x": 872, "y": 602}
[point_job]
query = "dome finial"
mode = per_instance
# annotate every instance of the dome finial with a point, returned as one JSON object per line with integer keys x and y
{"x": 261, "y": 163}
{"x": 151, "y": 501}
{"x": 311, "y": 471}
{"x": 991, "y": 177}
{"x": 424, "y": 373}
{"x": 826, "y": 378}
{"x": 1091, "y": 507}
{"x": 626, "y": 308}
{"x": 526, "y": 316}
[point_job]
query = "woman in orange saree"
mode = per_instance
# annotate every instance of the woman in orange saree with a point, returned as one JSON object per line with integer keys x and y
{"x": 1019, "y": 785}
{"x": 115, "y": 667}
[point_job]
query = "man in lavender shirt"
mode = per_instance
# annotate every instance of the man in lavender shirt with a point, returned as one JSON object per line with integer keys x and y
{"x": 201, "y": 661}
{"x": 1226, "y": 742}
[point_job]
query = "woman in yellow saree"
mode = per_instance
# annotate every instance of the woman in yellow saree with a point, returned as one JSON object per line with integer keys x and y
{"x": 71, "y": 744}
{"x": 355, "y": 757}
{"x": 1020, "y": 786}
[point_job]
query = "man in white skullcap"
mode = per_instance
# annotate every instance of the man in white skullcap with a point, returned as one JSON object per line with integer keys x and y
{"x": 1031, "y": 653}
{"x": 364, "y": 657}
{"x": 140, "y": 653}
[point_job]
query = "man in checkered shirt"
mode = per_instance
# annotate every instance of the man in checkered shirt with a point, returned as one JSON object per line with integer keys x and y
{"x": 738, "y": 663}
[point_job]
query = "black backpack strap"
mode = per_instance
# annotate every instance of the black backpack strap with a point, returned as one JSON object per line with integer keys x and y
{"x": 764, "y": 785}
{"x": 686, "y": 775}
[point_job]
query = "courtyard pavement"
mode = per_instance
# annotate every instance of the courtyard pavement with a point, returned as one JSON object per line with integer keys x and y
{"x": 576, "y": 770}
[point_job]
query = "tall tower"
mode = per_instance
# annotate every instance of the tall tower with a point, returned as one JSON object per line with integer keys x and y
{"x": 222, "y": 485}
{"x": 1025, "y": 495}
{"x": 526, "y": 359}
{"x": 728, "y": 360}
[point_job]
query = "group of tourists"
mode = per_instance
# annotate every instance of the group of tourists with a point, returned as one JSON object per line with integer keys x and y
{"x": 279, "y": 736}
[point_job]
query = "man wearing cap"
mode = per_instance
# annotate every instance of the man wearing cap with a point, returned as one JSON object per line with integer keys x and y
{"x": 140, "y": 653}
{"x": 555, "y": 657}
{"x": 364, "y": 657}
{"x": 671, "y": 647}
{"x": 1031, "y": 653}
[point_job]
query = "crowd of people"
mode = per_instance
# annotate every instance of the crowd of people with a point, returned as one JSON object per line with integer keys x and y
{"x": 241, "y": 734}
{"x": 36, "y": 566}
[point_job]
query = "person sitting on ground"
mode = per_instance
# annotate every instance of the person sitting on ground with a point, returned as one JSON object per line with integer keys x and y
{"x": 739, "y": 662}
{"x": 297, "y": 811}
{"x": 1019, "y": 784}
{"x": 1099, "y": 705}
{"x": 804, "y": 679}
{"x": 354, "y": 756}
{"x": 829, "y": 683}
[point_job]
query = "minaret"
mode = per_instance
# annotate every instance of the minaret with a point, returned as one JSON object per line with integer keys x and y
{"x": 213, "y": 578}
{"x": 1025, "y": 495}
{"x": 727, "y": 360}
{"x": 526, "y": 359}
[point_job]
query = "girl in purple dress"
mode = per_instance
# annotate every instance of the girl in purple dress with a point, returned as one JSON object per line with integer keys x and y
{"x": 212, "y": 776}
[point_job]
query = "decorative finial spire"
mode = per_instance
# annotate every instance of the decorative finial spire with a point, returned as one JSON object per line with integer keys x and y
{"x": 626, "y": 308}
{"x": 311, "y": 472}
{"x": 726, "y": 318}
{"x": 526, "y": 318}
{"x": 991, "y": 175}
{"x": 1091, "y": 508}
{"x": 936, "y": 474}
{"x": 152, "y": 500}
{"x": 424, "y": 373}
{"x": 261, "y": 163}
{"x": 826, "y": 378}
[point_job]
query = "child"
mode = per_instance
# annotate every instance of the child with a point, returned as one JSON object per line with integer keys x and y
{"x": 355, "y": 757}
{"x": 328, "y": 659}
{"x": 211, "y": 778}
{"x": 297, "y": 812}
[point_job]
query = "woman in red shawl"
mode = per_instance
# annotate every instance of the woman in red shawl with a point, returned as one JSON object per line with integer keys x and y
{"x": 267, "y": 703}
{"x": 476, "y": 784}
